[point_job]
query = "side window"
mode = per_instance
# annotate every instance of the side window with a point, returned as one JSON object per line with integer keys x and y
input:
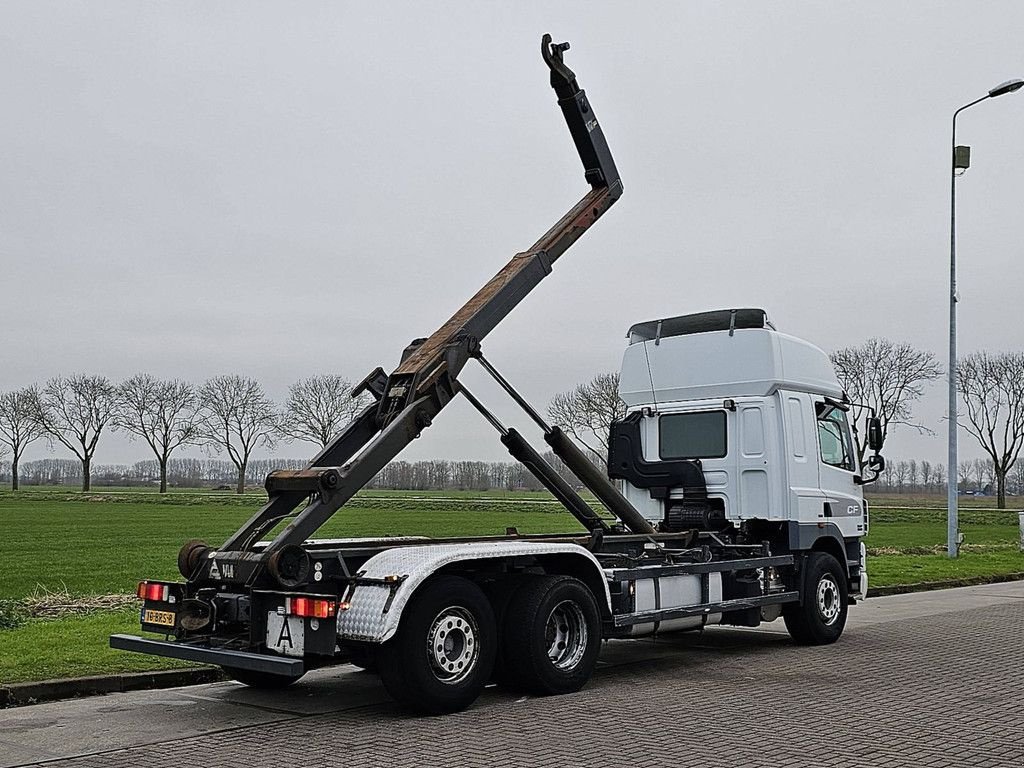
{"x": 834, "y": 437}
{"x": 694, "y": 435}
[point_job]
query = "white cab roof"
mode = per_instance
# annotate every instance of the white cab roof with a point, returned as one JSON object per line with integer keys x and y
{"x": 723, "y": 363}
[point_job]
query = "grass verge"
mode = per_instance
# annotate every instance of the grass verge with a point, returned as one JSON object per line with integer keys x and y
{"x": 74, "y": 646}
{"x": 914, "y": 569}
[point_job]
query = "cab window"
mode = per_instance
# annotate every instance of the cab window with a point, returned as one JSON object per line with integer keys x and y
{"x": 834, "y": 437}
{"x": 695, "y": 435}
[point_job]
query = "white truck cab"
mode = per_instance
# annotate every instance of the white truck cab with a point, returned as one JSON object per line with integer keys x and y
{"x": 763, "y": 418}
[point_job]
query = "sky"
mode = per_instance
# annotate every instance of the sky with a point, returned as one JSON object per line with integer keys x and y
{"x": 280, "y": 189}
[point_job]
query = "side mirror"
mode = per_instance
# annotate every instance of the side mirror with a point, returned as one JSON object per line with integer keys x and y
{"x": 876, "y": 463}
{"x": 875, "y": 437}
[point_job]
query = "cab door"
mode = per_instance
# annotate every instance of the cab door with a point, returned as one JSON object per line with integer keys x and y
{"x": 837, "y": 470}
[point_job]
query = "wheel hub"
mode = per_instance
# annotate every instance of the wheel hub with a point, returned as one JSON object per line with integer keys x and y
{"x": 452, "y": 644}
{"x": 829, "y": 600}
{"x": 566, "y": 635}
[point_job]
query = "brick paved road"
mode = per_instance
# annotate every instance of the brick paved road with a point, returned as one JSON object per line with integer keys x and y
{"x": 923, "y": 680}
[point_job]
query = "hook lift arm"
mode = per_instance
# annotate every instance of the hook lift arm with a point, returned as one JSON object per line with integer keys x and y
{"x": 410, "y": 397}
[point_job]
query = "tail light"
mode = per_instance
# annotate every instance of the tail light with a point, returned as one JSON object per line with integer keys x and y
{"x": 310, "y": 607}
{"x": 152, "y": 590}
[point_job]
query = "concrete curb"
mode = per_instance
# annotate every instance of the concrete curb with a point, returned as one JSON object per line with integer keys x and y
{"x": 53, "y": 690}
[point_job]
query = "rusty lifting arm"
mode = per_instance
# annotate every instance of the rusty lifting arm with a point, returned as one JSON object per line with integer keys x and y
{"x": 424, "y": 382}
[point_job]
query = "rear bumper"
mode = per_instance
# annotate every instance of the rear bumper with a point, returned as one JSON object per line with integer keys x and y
{"x": 256, "y": 662}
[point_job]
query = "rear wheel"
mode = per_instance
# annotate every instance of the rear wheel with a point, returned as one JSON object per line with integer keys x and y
{"x": 551, "y": 636}
{"x": 500, "y": 593}
{"x": 821, "y": 616}
{"x": 443, "y": 653}
{"x": 264, "y": 680}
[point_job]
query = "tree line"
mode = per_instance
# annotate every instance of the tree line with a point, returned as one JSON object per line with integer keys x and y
{"x": 228, "y": 415}
{"x": 900, "y": 476}
{"x": 220, "y": 474}
{"x": 974, "y": 476}
{"x": 231, "y": 416}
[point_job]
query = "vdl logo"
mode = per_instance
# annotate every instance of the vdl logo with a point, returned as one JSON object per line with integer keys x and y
{"x": 226, "y": 571}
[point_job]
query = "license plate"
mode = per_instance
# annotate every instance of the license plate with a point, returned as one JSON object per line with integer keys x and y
{"x": 286, "y": 634}
{"x": 162, "y": 618}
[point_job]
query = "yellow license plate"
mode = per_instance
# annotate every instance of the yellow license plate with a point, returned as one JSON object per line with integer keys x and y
{"x": 163, "y": 618}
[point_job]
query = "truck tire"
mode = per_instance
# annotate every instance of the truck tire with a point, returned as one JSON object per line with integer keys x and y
{"x": 820, "y": 617}
{"x": 262, "y": 680}
{"x": 551, "y": 636}
{"x": 443, "y": 653}
{"x": 500, "y": 593}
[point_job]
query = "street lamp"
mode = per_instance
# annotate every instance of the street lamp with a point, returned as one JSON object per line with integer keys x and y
{"x": 961, "y": 161}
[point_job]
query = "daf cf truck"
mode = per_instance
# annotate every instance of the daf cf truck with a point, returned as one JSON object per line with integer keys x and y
{"x": 733, "y": 495}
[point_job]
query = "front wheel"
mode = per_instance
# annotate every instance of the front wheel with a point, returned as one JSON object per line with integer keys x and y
{"x": 443, "y": 653}
{"x": 821, "y": 616}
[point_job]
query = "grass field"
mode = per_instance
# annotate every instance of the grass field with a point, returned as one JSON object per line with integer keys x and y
{"x": 75, "y": 646}
{"x": 97, "y": 547}
{"x": 104, "y": 542}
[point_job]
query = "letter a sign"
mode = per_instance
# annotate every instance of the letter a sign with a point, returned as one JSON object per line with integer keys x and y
{"x": 285, "y": 636}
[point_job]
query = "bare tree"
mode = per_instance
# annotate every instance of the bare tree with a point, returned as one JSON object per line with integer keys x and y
{"x": 964, "y": 475}
{"x": 887, "y": 376}
{"x": 902, "y": 468}
{"x": 990, "y": 475}
{"x": 1017, "y": 477}
{"x": 926, "y": 475}
{"x": 163, "y": 413}
{"x": 992, "y": 390}
{"x": 587, "y": 411}
{"x": 74, "y": 410}
{"x": 236, "y": 416}
{"x": 18, "y": 426}
{"x": 319, "y": 407}
{"x": 939, "y": 475}
{"x": 980, "y": 468}
{"x": 889, "y": 475}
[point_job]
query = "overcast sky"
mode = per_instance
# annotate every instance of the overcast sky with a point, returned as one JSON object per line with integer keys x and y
{"x": 280, "y": 190}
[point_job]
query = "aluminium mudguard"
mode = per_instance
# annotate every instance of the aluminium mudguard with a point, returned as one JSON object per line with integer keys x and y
{"x": 371, "y": 617}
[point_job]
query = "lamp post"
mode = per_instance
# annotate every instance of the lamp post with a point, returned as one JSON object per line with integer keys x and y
{"x": 961, "y": 159}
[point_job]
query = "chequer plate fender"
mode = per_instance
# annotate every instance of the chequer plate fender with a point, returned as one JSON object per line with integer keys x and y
{"x": 371, "y": 619}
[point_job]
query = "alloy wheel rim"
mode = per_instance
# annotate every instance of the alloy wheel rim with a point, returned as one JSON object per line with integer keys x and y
{"x": 453, "y": 645}
{"x": 829, "y": 601}
{"x": 566, "y": 635}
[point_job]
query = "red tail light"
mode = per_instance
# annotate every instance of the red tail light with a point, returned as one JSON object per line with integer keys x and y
{"x": 311, "y": 607}
{"x": 151, "y": 590}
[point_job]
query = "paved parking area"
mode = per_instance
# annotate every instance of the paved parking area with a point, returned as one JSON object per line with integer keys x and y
{"x": 917, "y": 680}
